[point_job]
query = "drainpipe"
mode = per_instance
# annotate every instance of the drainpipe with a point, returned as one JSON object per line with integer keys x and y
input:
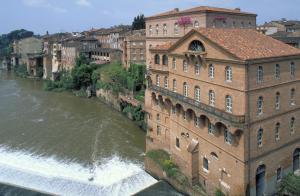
{"x": 248, "y": 124}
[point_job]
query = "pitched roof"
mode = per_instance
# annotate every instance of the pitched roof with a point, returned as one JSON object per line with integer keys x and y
{"x": 248, "y": 44}
{"x": 201, "y": 9}
{"x": 165, "y": 46}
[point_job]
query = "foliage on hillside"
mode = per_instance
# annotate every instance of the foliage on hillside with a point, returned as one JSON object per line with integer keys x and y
{"x": 7, "y": 39}
{"x": 114, "y": 77}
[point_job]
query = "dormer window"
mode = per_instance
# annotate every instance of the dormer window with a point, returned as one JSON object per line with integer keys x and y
{"x": 196, "y": 46}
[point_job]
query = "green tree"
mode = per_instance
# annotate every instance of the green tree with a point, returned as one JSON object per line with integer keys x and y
{"x": 138, "y": 22}
{"x": 290, "y": 185}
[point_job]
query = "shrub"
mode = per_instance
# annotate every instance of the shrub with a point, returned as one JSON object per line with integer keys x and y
{"x": 218, "y": 192}
{"x": 290, "y": 185}
{"x": 21, "y": 71}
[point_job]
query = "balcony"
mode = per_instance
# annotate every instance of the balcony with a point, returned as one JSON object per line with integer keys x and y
{"x": 159, "y": 68}
{"x": 234, "y": 119}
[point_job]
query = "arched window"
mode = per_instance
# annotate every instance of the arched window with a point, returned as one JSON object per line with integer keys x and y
{"x": 150, "y": 30}
{"x": 165, "y": 29}
{"x": 296, "y": 157}
{"x": 157, "y": 59}
{"x": 260, "y": 103}
{"x": 185, "y": 66}
{"x": 228, "y": 136}
{"x": 292, "y": 97}
{"x": 197, "y": 121}
{"x": 277, "y": 131}
{"x": 157, "y": 80}
{"x": 228, "y": 101}
{"x": 196, "y": 24}
{"x": 260, "y": 180}
{"x": 260, "y": 74}
{"x": 292, "y": 69}
{"x": 176, "y": 28}
{"x": 211, "y": 96}
{"x": 277, "y": 101}
{"x": 260, "y": 137}
{"x": 166, "y": 82}
{"x": 292, "y": 125}
{"x": 197, "y": 93}
{"x": 228, "y": 73}
{"x": 185, "y": 89}
{"x": 174, "y": 85}
{"x": 197, "y": 46}
{"x": 277, "y": 71}
{"x": 211, "y": 71}
{"x": 157, "y": 29}
{"x": 197, "y": 68}
{"x": 165, "y": 59}
{"x": 174, "y": 63}
{"x": 214, "y": 155}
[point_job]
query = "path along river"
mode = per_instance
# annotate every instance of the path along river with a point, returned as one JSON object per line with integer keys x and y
{"x": 66, "y": 145}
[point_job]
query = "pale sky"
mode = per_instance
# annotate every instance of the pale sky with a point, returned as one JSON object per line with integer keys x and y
{"x": 78, "y": 15}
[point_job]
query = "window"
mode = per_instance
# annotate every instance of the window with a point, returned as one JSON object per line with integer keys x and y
{"x": 173, "y": 109}
{"x": 196, "y": 24}
{"x": 197, "y": 69}
{"x": 228, "y": 74}
{"x": 176, "y": 29}
{"x": 292, "y": 69}
{"x": 150, "y": 30}
{"x": 277, "y": 71}
{"x": 214, "y": 155}
{"x": 197, "y": 121}
{"x": 292, "y": 97}
{"x": 165, "y": 60}
{"x": 211, "y": 96}
{"x": 211, "y": 71}
{"x": 185, "y": 89}
{"x": 260, "y": 103}
{"x": 166, "y": 82}
{"x": 228, "y": 101}
{"x": 260, "y": 74}
{"x": 174, "y": 85}
{"x": 185, "y": 66}
{"x": 197, "y": 93}
{"x": 260, "y": 137}
{"x": 279, "y": 174}
{"x": 292, "y": 125}
{"x": 157, "y": 29}
{"x": 205, "y": 164}
{"x": 157, "y": 59}
{"x": 165, "y": 29}
{"x": 158, "y": 117}
{"x": 158, "y": 131}
{"x": 211, "y": 128}
{"x": 277, "y": 101}
{"x": 196, "y": 46}
{"x": 157, "y": 80}
{"x": 277, "y": 132}
{"x": 228, "y": 136}
{"x": 174, "y": 63}
{"x": 177, "y": 142}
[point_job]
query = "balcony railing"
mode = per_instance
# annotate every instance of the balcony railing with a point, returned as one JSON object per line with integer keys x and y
{"x": 159, "y": 67}
{"x": 201, "y": 106}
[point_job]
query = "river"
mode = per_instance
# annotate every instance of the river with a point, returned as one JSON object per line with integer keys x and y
{"x": 66, "y": 145}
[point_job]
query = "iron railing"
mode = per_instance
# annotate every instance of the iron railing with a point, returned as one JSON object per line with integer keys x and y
{"x": 201, "y": 106}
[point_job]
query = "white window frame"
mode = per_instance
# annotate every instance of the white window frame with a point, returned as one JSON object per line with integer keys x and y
{"x": 176, "y": 28}
{"x": 277, "y": 71}
{"x": 260, "y": 134}
{"x": 292, "y": 125}
{"x": 211, "y": 128}
{"x": 185, "y": 66}
{"x": 228, "y": 74}
{"x": 228, "y": 137}
{"x": 197, "y": 93}
{"x": 277, "y": 132}
{"x": 292, "y": 97}
{"x": 157, "y": 80}
{"x": 277, "y": 101}
{"x": 165, "y": 29}
{"x": 229, "y": 103}
{"x": 260, "y": 105}
{"x": 197, "y": 69}
{"x": 196, "y": 24}
{"x": 260, "y": 74}
{"x": 166, "y": 82}
{"x": 292, "y": 69}
{"x": 211, "y": 71}
{"x": 197, "y": 121}
{"x": 174, "y": 85}
{"x": 185, "y": 89}
{"x": 211, "y": 96}
{"x": 174, "y": 63}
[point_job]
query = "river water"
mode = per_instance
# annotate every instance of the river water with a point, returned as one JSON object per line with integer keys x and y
{"x": 66, "y": 145}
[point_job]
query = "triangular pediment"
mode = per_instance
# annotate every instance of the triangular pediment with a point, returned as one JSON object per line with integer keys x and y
{"x": 212, "y": 49}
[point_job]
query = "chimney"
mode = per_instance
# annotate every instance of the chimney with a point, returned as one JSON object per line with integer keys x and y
{"x": 238, "y": 9}
{"x": 176, "y": 9}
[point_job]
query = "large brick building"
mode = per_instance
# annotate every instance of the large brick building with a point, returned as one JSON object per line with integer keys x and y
{"x": 168, "y": 27}
{"x": 224, "y": 103}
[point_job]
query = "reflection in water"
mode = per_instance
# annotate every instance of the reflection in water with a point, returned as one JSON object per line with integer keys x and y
{"x": 66, "y": 145}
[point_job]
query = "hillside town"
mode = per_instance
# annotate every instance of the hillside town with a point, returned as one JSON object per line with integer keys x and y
{"x": 215, "y": 92}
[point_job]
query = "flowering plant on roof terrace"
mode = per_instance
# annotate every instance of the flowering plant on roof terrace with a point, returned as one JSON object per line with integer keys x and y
{"x": 184, "y": 21}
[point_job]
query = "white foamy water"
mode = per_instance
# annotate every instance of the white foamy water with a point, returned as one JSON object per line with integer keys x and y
{"x": 113, "y": 176}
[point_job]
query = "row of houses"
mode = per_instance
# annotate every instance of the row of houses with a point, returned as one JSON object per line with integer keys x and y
{"x": 57, "y": 52}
